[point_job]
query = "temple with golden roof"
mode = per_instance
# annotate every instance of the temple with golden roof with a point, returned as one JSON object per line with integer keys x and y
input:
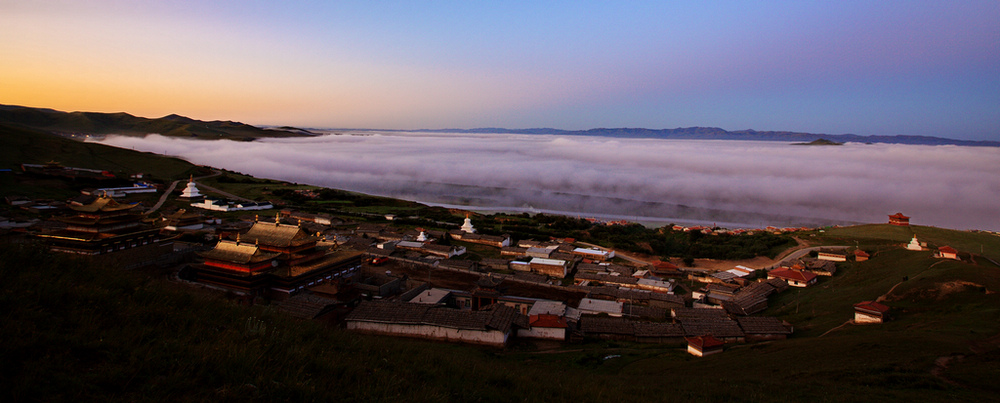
{"x": 274, "y": 260}
{"x": 103, "y": 226}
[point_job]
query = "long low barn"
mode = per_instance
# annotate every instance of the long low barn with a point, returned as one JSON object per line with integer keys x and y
{"x": 492, "y": 326}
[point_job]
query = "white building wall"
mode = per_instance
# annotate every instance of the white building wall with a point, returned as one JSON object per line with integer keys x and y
{"x": 546, "y": 333}
{"x": 488, "y": 337}
{"x": 860, "y": 317}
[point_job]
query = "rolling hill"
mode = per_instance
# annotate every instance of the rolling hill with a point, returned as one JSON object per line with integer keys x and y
{"x": 125, "y": 124}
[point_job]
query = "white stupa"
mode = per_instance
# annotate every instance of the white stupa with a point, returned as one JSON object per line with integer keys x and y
{"x": 422, "y": 237}
{"x": 467, "y": 226}
{"x": 191, "y": 191}
{"x": 914, "y": 244}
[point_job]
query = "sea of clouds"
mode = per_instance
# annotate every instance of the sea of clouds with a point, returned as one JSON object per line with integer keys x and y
{"x": 732, "y": 183}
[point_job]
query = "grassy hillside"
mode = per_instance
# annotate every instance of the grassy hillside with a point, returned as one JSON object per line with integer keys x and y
{"x": 36, "y": 147}
{"x": 126, "y": 124}
{"x": 885, "y": 235}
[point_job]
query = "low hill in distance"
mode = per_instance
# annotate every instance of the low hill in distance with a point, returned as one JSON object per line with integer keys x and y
{"x": 715, "y": 133}
{"x": 819, "y": 142}
{"x": 93, "y": 123}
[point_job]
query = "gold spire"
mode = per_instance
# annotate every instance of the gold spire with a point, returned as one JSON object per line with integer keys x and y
{"x": 277, "y": 219}
{"x": 237, "y": 238}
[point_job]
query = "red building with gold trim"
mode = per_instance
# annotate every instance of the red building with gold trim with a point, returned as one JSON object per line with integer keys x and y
{"x": 101, "y": 227}
{"x": 899, "y": 219}
{"x": 274, "y": 260}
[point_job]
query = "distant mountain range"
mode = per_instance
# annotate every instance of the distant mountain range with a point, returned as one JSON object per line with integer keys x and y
{"x": 715, "y": 133}
{"x": 179, "y": 126}
{"x": 124, "y": 124}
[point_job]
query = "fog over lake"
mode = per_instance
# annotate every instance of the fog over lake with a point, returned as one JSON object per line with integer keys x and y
{"x": 732, "y": 183}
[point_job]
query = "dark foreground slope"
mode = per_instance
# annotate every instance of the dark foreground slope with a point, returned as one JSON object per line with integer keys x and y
{"x": 75, "y": 331}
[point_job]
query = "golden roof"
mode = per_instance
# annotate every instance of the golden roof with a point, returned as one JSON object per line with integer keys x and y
{"x": 106, "y": 204}
{"x": 237, "y": 252}
{"x": 279, "y": 235}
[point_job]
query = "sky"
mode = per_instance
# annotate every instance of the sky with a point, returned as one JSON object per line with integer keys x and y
{"x": 736, "y": 184}
{"x": 870, "y": 68}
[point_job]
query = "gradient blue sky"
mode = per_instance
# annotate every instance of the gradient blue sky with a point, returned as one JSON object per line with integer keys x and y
{"x": 863, "y": 67}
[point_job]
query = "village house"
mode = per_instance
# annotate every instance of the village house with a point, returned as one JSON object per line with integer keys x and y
{"x": 307, "y": 306}
{"x": 870, "y": 312}
{"x": 665, "y": 269}
{"x": 550, "y": 320}
{"x": 633, "y": 296}
{"x": 550, "y": 267}
{"x": 228, "y": 205}
{"x": 615, "y": 279}
{"x": 373, "y": 284}
{"x": 737, "y": 272}
{"x": 658, "y": 332}
{"x": 513, "y": 251}
{"x": 947, "y": 252}
{"x": 532, "y": 277}
{"x": 794, "y": 278}
{"x": 492, "y": 326}
{"x": 899, "y": 219}
{"x": 819, "y": 267}
{"x": 760, "y": 328}
{"x": 495, "y": 264}
{"x": 430, "y": 296}
{"x": 590, "y": 306}
{"x": 136, "y": 188}
{"x": 745, "y": 303}
{"x": 714, "y": 322}
{"x": 860, "y": 255}
{"x": 702, "y": 346}
{"x": 594, "y": 254}
{"x": 832, "y": 256}
{"x": 654, "y": 285}
{"x": 715, "y": 293}
{"x": 183, "y": 220}
{"x": 613, "y": 328}
{"x": 541, "y": 253}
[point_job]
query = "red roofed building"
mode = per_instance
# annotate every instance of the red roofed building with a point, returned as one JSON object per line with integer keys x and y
{"x": 794, "y": 278}
{"x": 860, "y": 255}
{"x": 947, "y": 252}
{"x": 665, "y": 268}
{"x": 545, "y": 326}
{"x": 899, "y": 219}
{"x": 870, "y": 312}
{"x": 704, "y": 345}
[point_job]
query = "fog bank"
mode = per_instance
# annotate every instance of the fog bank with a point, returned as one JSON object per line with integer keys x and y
{"x": 749, "y": 184}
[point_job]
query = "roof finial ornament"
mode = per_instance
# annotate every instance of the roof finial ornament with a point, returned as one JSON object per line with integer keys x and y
{"x": 300, "y": 222}
{"x": 256, "y": 217}
{"x": 277, "y": 219}
{"x": 237, "y": 238}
